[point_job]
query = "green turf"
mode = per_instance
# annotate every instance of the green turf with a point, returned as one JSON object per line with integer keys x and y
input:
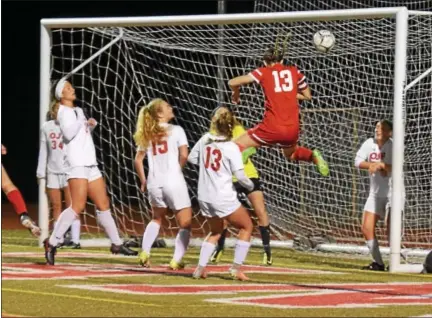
{"x": 52, "y": 298}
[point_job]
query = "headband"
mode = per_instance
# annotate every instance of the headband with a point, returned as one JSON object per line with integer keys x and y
{"x": 59, "y": 89}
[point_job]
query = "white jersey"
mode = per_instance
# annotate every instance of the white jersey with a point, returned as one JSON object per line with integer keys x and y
{"x": 163, "y": 158}
{"x": 51, "y": 150}
{"x": 217, "y": 163}
{"x": 80, "y": 149}
{"x": 370, "y": 151}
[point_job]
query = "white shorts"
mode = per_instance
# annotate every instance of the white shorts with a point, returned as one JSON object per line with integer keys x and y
{"x": 90, "y": 173}
{"x": 220, "y": 210}
{"x": 175, "y": 197}
{"x": 56, "y": 180}
{"x": 376, "y": 206}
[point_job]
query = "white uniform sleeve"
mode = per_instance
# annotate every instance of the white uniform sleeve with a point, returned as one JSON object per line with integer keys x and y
{"x": 235, "y": 158}
{"x": 43, "y": 156}
{"x": 243, "y": 180}
{"x": 362, "y": 153}
{"x": 181, "y": 137}
{"x": 195, "y": 152}
{"x": 69, "y": 124}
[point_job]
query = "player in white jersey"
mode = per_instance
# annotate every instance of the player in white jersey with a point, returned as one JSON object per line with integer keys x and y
{"x": 166, "y": 148}
{"x": 51, "y": 166}
{"x": 375, "y": 155}
{"x": 219, "y": 159}
{"x": 83, "y": 175}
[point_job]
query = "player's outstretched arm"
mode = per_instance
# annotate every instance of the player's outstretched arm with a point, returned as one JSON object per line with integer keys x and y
{"x": 235, "y": 84}
{"x": 139, "y": 167}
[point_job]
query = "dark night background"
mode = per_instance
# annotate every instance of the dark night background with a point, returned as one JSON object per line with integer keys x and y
{"x": 20, "y": 67}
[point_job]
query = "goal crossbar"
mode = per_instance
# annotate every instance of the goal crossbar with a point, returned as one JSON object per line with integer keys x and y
{"x": 212, "y": 19}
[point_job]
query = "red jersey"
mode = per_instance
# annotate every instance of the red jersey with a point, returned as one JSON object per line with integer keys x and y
{"x": 280, "y": 84}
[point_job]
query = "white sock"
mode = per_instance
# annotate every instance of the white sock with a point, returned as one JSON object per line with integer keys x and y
{"x": 54, "y": 229}
{"x": 150, "y": 234}
{"x": 181, "y": 244}
{"x": 206, "y": 251}
{"x": 64, "y": 221}
{"x": 76, "y": 230}
{"x": 241, "y": 251}
{"x": 106, "y": 220}
{"x": 374, "y": 250}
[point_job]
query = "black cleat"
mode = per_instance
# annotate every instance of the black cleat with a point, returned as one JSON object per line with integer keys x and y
{"x": 71, "y": 245}
{"x": 122, "y": 249}
{"x": 50, "y": 252}
{"x": 374, "y": 266}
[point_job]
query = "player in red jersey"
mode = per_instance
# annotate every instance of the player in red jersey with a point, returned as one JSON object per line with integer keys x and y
{"x": 283, "y": 86}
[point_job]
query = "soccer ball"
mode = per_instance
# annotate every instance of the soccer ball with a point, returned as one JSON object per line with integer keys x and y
{"x": 324, "y": 41}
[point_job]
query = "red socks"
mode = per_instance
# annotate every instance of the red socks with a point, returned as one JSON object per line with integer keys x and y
{"x": 302, "y": 154}
{"x": 17, "y": 201}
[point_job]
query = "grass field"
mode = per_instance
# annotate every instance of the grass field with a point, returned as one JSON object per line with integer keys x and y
{"x": 91, "y": 282}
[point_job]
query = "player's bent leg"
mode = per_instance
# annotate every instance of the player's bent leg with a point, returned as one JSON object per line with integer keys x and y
{"x": 151, "y": 232}
{"x": 245, "y": 141}
{"x": 184, "y": 219}
{"x": 257, "y": 200}
{"x": 208, "y": 246}
{"x": 97, "y": 193}
{"x": 16, "y": 199}
{"x": 78, "y": 189}
{"x": 241, "y": 220}
{"x": 368, "y": 229}
{"x": 297, "y": 153}
{"x": 218, "y": 252}
{"x": 55, "y": 200}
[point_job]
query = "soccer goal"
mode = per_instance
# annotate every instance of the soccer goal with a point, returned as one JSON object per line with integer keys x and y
{"x": 380, "y": 68}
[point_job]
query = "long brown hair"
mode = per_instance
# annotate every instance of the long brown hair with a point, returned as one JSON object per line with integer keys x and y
{"x": 148, "y": 129}
{"x": 53, "y": 110}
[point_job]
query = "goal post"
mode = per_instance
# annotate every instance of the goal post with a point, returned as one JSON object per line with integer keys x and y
{"x": 178, "y": 57}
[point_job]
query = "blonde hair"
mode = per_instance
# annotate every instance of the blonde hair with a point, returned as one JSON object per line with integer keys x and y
{"x": 216, "y": 116}
{"x": 53, "y": 109}
{"x": 148, "y": 129}
{"x": 224, "y": 125}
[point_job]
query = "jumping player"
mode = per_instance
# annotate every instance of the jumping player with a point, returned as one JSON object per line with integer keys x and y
{"x": 256, "y": 196}
{"x": 282, "y": 86}
{"x": 16, "y": 199}
{"x": 84, "y": 177}
{"x": 166, "y": 148}
{"x": 51, "y": 166}
{"x": 375, "y": 155}
{"x": 218, "y": 159}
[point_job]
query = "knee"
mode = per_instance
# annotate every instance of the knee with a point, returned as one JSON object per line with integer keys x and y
{"x": 104, "y": 204}
{"x": 157, "y": 219}
{"x": 367, "y": 229}
{"x": 185, "y": 224}
{"x": 56, "y": 207}
{"x": 248, "y": 226}
{"x": 78, "y": 207}
{"x": 8, "y": 187}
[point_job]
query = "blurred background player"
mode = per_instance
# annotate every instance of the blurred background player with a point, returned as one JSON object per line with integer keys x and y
{"x": 83, "y": 174}
{"x": 218, "y": 159}
{"x": 255, "y": 196}
{"x": 166, "y": 147}
{"x": 16, "y": 199}
{"x": 51, "y": 166}
{"x": 283, "y": 86}
{"x": 375, "y": 155}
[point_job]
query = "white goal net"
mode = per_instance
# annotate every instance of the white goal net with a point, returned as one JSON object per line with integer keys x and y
{"x": 352, "y": 88}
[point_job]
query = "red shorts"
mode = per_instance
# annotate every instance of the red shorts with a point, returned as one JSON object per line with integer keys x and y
{"x": 283, "y": 136}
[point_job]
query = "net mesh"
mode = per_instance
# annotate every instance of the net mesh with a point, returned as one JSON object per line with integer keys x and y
{"x": 352, "y": 88}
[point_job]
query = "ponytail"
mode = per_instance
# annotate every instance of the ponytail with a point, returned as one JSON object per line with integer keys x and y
{"x": 148, "y": 129}
{"x": 224, "y": 125}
